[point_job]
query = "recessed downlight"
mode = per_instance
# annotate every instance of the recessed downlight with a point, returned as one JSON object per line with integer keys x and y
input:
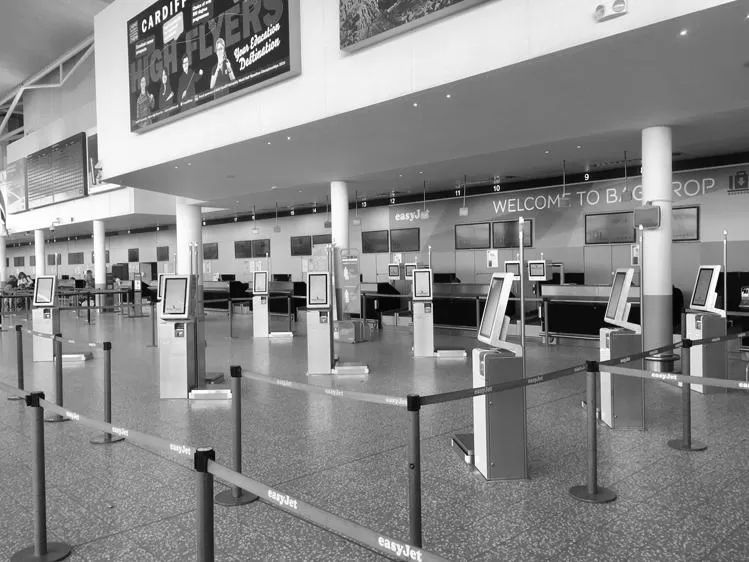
{"x": 416, "y": 104}
{"x": 288, "y": 138}
{"x": 448, "y": 96}
{"x": 683, "y": 32}
{"x": 579, "y": 147}
{"x": 269, "y": 143}
{"x": 547, "y": 151}
{"x": 274, "y": 187}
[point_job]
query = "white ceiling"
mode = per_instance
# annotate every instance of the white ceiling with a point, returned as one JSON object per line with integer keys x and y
{"x": 33, "y": 33}
{"x": 598, "y": 96}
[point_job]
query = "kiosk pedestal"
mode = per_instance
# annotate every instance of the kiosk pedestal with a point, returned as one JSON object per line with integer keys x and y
{"x": 499, "y": 443}
{"x": 319, "y": 342}
{"x": 423, "y": 317}
{"x": 178, "y": 370}
{"x": 622, "y": 398}
{"x": 707, "y": 360}
{"x": 260, "y": 317}
{"x": 46, "y": 321}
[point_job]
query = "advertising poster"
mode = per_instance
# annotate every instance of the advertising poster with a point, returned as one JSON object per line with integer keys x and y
{"x": 189, "y": 54}
{"x": 363, "y": 22}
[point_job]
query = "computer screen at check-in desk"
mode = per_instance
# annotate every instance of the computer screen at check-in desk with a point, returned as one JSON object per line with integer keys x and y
{"x": 44, "y": 290}
{"x": 175, "y": 296}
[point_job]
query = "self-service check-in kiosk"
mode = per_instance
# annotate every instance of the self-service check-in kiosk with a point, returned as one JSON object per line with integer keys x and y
{"x": 423, "y": 317}
{"x": 45, "y": 317}
{"x": 181, "y": 347}
{"x": 705, "y": 320}
{"x": 260, "y": 307}
{"x": 136, "y": 287}
{"x": 622, "y": 398}
{"x": 319, "y": 324}
{"x": 498, "y": 446}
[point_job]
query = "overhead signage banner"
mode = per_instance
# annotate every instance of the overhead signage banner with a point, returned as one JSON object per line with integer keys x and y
{"x": 363, "y": 22}
{"x": 186, "y": 55}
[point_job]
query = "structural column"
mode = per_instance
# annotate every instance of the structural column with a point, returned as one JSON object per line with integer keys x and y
{"x": 100, "y": 255}
{"x": 339, "y": 218}
{"x": 656, "y": 260}
{"x": 41, "y": 259}
{"x": 3, "y": 269}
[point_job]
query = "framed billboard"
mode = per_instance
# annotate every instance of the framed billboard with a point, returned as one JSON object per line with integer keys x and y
{"x": 686, "y": 224}
{"x": 610, "y": 228}
{"x": 364, "y": 22}
{"x": 186, "y": 55}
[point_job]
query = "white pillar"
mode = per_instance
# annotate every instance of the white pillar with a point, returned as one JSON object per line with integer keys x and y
{"x": 340, "y": 226}
{"x": 3, "y": 269}
{"x": 189, "y": 232}
{"x": 41, "y": 259}
{"x": 656, "y": 260}
{"x": 100, "y": 255}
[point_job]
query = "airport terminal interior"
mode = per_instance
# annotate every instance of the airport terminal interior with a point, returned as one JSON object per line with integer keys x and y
{"x": 419, "y": 280}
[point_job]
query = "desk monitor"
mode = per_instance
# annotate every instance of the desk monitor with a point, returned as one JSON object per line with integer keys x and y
{"x": 260, "y": 283}
{"x": 394, "y": 271}
{"x": 421, "y": 288}
{"x": 227, "y": 277}
{"x": 410, "y": 271}
{"x": 539, "y": 270}
{"x": 318, "y": 290}
{"x": 617, "y": 310}
{"x": 513, "y": 266}
{"x": 704, "y": 294}
{"x": 45, "y": 291}
{"x": 177, "y": 296}
{"x": 494, "y": 323}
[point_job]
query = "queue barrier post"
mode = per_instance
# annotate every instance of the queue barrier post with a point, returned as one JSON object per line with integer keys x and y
{"x": 41, "y": 550}
{"x": 107, "y": 438}
{"x": 413, "y": 404}
{"x": 154, "y": 323}
{"x": 57, "y": 344}
{"x": 231, "y": 318}
{"x": 88, "y": 307}
{"x": 19, "y": 360}
{"x": 236, "y": 495}
{"x": 686, "y": 443}
{"x": 205, "y": 503}
{"x": 288, "y": 308}
{"x": 591, "y": 492}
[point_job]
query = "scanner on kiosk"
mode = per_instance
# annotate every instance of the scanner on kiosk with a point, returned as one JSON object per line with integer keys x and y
{"x": 622, "y": 398}
{"x": 706, "y": 320}
{"x": 498, "y": 446}
{"x": 45, "y": 317}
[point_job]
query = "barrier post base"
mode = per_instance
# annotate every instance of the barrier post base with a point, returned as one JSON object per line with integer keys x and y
{"x": 680, "y": 445}
{"x": 56, "y": 418}
{"x": 55, "y": 551}
{"x": 602, "y": 495}
{"x": 227, "y": 498}
{"x": 15, "y": 398}
{"x": 106, "y": 439}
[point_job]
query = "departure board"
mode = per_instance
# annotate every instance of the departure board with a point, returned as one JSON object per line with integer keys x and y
{"x": 57, "y": 173}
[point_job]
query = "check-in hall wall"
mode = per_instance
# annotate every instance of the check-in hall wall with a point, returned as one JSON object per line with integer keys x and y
{"x": 558, "y": 216}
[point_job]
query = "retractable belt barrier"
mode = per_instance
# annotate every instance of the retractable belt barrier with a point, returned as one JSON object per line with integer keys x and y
{"x": 674, "y": 377}
{"x": 64, "y": 340}
{"x": 334, "y": 392}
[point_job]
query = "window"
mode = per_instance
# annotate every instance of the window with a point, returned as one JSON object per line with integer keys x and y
{"x": 505, "y": 234}
{"x": 162, "y": 253}
{"x": 472, "y": 236}
{"x": 261, "y": 248}
{"x": 322, "y": 239}
{"x": 610, "y": 228}
{"x": 404, "y": 240}
{"x": 301, "y": 245}
{"x": 51, "y": 259}
{"x": 375, "y": 241}
{"x": 210, "y": 251}
{"x": 242, "y": 249}
{"x": 18, "y": 261}
{"x": 133, "y": 255}
{"x": 75, "y": 258}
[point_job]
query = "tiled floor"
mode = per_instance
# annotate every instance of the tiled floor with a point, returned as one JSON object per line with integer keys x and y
{"x": 123, "y": 502}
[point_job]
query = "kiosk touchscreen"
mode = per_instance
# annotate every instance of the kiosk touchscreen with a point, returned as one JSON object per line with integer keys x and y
{"x": 394, "y": 271}
{"x": 319, "y": 324}
{"x": 260, "y": 313}
{"x": 409, "y": 271}
{"x": 260, "y": 283}
{"x": 498, "y": 446}
{"x": 422, "y": 285}
{"x": 622, "y": 398}
{"x": 705, "y": 320}
{"x": 45, "y": 317}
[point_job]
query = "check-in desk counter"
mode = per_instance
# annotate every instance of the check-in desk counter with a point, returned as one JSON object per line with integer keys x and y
{"x": 577, "y": 311}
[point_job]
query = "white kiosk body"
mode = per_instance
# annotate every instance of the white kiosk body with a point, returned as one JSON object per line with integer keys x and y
{"x": 260, "y": 318}
{"x": 319, "y": 324}
{"x": 498, "y": 447}
{"x": 179, "y": 371}
{"x": 45, "y": 318}
{"x": 423, "y": 315}
{"x": 622, "y": 398}
{"x": 137, "y": 288}
{"x": 705, "y": 320}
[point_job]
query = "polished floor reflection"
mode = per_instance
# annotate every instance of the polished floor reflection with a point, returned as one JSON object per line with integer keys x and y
{"x": 123, "y": 502}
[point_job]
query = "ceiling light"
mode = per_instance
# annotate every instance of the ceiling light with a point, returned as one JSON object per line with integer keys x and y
{"x": 300, "y": 191}
{"x": 416, "y": 104}
{"x": 448, "y": 96}
{"x": 189, "y": 163}
{"x": 579, "y": 147}
{"x": 400, "y": 175}
{"x": 268, "y": 143}
{"x": 421, "y": 172}
{"x": 547, "y": 151}
{"x": 683, "y": 32}
{"x": 274, "y": 187}
{"x": 288, "y": 138}
{"x": 176, "y": 167}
